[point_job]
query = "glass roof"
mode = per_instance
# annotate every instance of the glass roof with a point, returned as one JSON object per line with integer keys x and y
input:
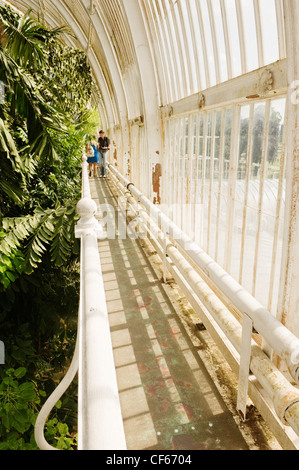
{"x": 195, "y": 44}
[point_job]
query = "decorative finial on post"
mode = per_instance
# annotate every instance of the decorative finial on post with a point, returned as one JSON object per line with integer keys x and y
{"x": 87, "y": 209}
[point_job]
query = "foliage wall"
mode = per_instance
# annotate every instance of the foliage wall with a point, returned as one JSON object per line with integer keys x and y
{"x": 44, "y": 117}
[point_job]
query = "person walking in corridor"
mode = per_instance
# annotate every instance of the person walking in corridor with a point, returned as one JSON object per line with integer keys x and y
{"x": 104, "y": 147}
{"x": 96, "y": 159}
{"x": 91, "y": 159}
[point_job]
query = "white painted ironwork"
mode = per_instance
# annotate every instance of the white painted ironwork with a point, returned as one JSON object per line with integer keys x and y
{"x": 100, "y": 425}
{"x": 245, "y": 358}
{"x": 238, "y": 176}
{"x": 181, "y": 250}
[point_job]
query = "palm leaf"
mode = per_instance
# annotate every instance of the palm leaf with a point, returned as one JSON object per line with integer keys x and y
{"x": 46, "y": 230}
{"x": 63, "y": 236}
{"x": 11, "y": 165}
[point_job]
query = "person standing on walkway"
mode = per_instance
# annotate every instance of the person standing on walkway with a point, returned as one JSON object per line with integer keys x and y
{"x": 91, "y": 160}
{"x": 96, "y": 158}
{"x": 104, "y": 146}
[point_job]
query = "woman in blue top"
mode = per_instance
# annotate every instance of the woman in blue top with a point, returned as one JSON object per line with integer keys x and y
{"x": 95, "y": 159}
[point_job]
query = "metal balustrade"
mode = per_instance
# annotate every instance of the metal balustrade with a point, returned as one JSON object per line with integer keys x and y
{"x": 100, "y": 425}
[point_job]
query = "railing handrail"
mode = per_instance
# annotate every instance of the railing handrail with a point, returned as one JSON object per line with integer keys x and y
{"x": 100, "y": 424}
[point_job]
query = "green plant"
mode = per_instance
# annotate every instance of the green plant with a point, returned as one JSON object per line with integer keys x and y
{"x": 59, "y": 433}
{"x": 26, "y": 239}
{"x": 43, "y": 123}
{"x": 19, "y": 405}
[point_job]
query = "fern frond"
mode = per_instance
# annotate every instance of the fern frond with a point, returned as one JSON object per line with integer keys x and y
{"x": 46, "y": 230}
{"x": 63, "y": 236}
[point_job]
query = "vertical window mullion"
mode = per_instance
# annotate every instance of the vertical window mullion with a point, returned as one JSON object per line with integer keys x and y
{"x": 280, "y": 29}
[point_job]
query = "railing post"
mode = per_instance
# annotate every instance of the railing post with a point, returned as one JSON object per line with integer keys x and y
{"x": 245, "y": 357}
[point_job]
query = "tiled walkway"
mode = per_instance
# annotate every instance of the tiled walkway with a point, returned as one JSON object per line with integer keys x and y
{"x": 167, "y": 397}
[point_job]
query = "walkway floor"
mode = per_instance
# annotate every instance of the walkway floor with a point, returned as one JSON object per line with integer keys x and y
{"x": 168, "y": 398}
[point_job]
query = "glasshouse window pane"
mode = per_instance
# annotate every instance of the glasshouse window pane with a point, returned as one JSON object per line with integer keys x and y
{"x": 207, "y": 175}
{"x": 250, "y": 34}
{"x": 240, "y": 193}
{"x": 227, "y": 143}
{"x": 257, "y": 139}
{"x": 234, "y": 37}
{"x": 273, "y": 204}
{"x": 183, "y": 52}
{"x": 209, "y": 42}
{"x": 199, "y": 47}
{"x": 220, "y": 39}
{"x": 163, "y": 48}
{"x": 175, "y": 51}
{"x": 276, "y": 127}
{"x": 168, "y": 53}
{"x": 189, "y": 45}
{"x": 201, "y": 148}
{"x": 217, "y": 155}
{"x": 222, "y": 186}
{"x": 269, "y": 30}
{"x": 215, "y": 186}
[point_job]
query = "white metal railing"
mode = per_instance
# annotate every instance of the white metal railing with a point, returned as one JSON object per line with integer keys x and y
{"x": 189, "y": 264}
{"x": 100, "y": 425}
